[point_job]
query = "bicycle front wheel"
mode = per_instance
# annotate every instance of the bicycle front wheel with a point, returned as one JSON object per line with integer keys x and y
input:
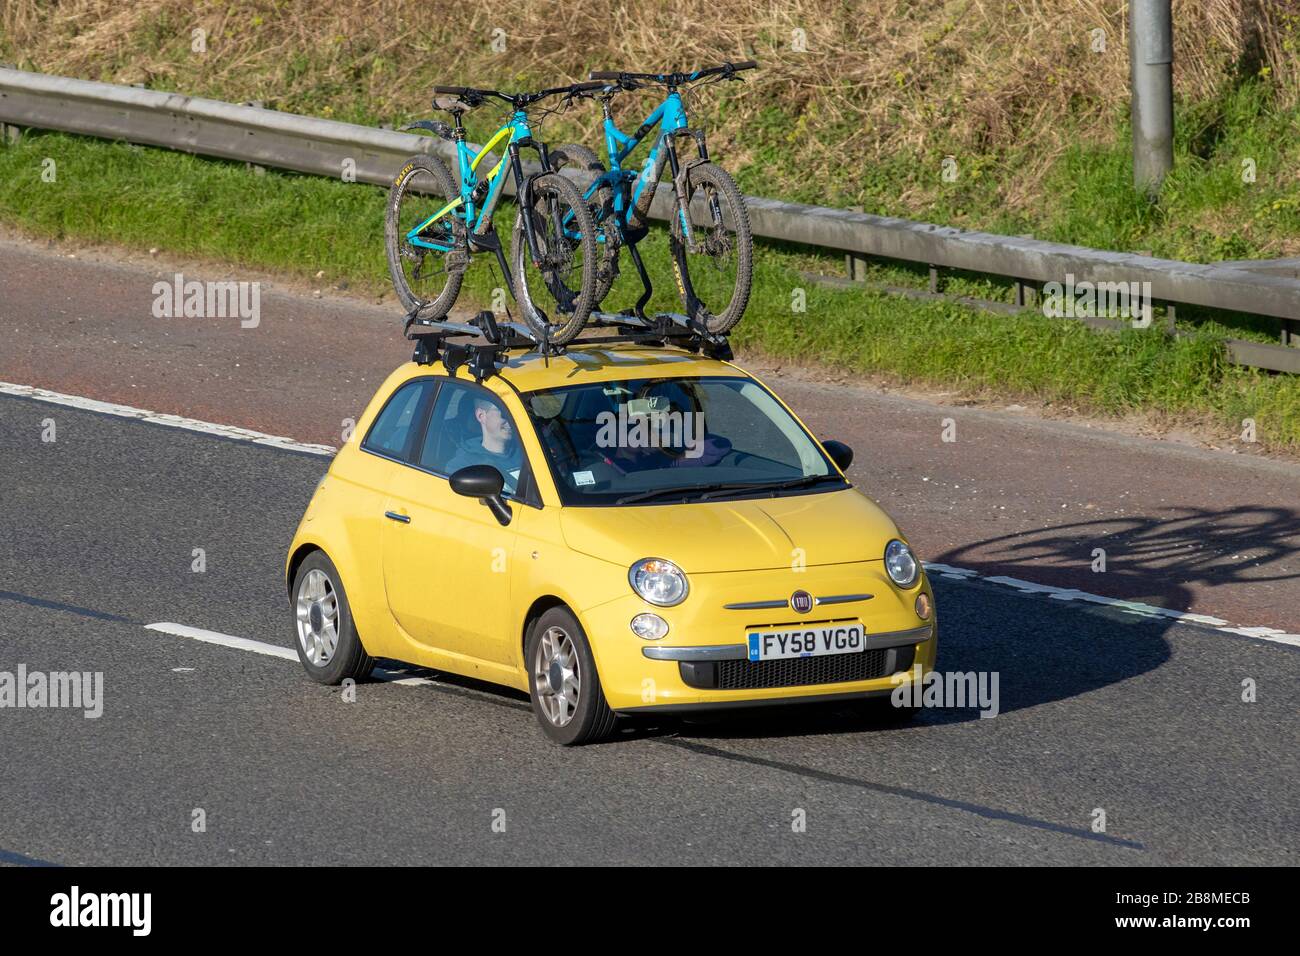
{"x": 566, "y": 263}
{"x": 720, "y": 248}
{"x": 426, "y": 280}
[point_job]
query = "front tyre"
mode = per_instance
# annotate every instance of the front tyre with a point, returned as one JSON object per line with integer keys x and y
{"x": 562, "y": 681}
{"x": 325, "y": 636}
{"x": 720, "y": 251}
{"x": 566, "y": 264}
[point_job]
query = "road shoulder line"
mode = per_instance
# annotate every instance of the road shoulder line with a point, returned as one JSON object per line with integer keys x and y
{"x": 159, "y": 418}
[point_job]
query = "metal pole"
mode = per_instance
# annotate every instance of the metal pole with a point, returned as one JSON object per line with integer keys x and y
{"x": 1151, "y": 58}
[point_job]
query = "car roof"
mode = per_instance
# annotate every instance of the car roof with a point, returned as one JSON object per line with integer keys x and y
{"x": 530, "y": 371}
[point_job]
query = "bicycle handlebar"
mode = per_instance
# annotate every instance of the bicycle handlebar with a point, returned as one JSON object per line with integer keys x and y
{"x": 473, "y": 96}
{"x": 673, "y": 79}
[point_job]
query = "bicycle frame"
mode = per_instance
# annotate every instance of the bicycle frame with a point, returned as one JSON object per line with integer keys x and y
{"x": 478, "y": 198}
{"x": 670, "y": 117}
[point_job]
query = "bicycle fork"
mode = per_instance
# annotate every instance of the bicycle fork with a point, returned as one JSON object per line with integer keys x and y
{"x": 687, "y": 242}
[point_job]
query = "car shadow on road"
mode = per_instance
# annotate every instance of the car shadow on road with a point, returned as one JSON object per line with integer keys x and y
{"x": 1039, "y": 651}
{"x": 1046, "y": 649}
{"x": 1042, "y": 649}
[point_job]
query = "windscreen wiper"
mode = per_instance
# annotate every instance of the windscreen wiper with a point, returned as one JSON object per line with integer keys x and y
{"x": 804, "y": 482}
{"x": 723, "y": 488}
{"x": 666, "y": 492}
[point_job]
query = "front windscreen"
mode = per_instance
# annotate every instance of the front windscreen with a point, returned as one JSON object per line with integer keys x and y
{"x": 674, "y": 439}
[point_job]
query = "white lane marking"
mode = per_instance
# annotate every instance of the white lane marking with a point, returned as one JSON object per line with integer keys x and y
{"x": 1266, "y": 634}
{"x": 225, "y": 640}
{"x": 943, "y": 570}
{"x": 395, "y": 678}
{"x": 1128, "y": 607}
{"x": 270, "y": 650}
{"x": 159, "y": 418}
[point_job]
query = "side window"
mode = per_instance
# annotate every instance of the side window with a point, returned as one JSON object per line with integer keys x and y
{"x": 470, "y": 426}
{"x": 395, "y": 428}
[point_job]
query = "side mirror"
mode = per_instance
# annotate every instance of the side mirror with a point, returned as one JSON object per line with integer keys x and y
{"x": 485, "y": 483}
{"x": 840, "y": 453}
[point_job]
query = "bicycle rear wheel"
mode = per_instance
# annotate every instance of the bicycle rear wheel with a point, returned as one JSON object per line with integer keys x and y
{"x": 587, "y": 164}
{"x": 720, "y": 257}
{"x": 427, "y": 281}
{"x": 566, "y": 263}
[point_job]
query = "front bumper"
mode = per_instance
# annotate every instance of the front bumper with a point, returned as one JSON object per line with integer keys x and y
{"x": 689, "y": 671}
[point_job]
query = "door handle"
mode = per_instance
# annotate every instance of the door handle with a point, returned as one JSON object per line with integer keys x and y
{"x": 405, "y": 519}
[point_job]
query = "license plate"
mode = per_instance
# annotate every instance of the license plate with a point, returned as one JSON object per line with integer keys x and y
{"x": 806, "y": 642}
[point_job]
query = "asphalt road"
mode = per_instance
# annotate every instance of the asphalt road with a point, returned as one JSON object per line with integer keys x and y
{"x": 1140, "y": 717}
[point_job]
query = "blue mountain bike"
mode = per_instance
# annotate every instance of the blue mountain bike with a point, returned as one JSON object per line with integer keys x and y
{"x": 433, "y": 225}
{"x": 709, "y": 233}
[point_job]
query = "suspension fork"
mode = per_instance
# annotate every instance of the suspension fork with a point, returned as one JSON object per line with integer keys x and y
{"x": 524, "y": 196}
{"x": 681, "y": 186}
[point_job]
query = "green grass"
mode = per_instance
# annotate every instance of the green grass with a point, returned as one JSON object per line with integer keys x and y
{"x": 301, "y": 225}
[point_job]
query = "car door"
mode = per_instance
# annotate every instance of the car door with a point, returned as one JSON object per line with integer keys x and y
{"x": 446, "y": 558}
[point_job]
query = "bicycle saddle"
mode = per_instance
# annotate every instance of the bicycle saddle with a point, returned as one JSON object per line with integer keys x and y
{"x": 452, "y": 104}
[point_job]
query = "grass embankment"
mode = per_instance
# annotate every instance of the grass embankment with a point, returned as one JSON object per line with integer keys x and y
{"x": 855, "y": 104}
{"x": 304, "y": 225}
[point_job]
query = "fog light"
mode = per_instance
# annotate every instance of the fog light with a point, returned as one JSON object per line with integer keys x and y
{"x": 923, "y": 606}
{"x": 649, "y": 627}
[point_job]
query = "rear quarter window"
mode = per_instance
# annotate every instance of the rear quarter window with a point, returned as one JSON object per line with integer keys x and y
{"x": 396, "y": 427}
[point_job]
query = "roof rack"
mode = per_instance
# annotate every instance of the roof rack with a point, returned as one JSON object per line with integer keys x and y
{"x": 432, "y": 338}
{"x": 664, "y": 327}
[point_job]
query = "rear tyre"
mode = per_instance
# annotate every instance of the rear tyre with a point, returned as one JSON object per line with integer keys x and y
{"x": 721, "y": 265}
{"x": 424, "y": 279}
{"x": 567, "y": 260}
{"x": 568, "y": 700}
{"x": 324, "y": 634}
{"x": 587, "y": 164}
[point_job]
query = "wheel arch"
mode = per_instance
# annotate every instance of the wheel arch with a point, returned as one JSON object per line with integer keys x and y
{"x": 535, "y": 610}
{"x": 295, "y": 562}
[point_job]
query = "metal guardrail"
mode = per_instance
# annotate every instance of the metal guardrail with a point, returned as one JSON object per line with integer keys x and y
{"x": 321, "y": 146}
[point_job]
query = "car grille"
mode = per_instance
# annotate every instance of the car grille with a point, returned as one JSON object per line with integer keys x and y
{"x": 797, "y": 671}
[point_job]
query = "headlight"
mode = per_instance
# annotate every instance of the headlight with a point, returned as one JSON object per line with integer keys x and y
{"x": 658, "y": 581}
{"x": 900, "y": 564}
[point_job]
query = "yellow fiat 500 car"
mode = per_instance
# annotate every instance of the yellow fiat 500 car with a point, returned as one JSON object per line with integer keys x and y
{"x": 617, "y": 530}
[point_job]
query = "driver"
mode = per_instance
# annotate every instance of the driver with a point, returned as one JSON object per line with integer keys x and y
{"x": 496, "y": 446}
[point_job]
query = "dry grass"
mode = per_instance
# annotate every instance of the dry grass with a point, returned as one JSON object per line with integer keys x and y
{"x": 922, "y": 78}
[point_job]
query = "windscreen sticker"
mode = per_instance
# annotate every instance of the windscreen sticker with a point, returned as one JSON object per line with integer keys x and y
{"x": 583, "y": 478}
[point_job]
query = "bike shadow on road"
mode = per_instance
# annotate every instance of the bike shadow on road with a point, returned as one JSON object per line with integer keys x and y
{"x": 1162, "y": 559}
